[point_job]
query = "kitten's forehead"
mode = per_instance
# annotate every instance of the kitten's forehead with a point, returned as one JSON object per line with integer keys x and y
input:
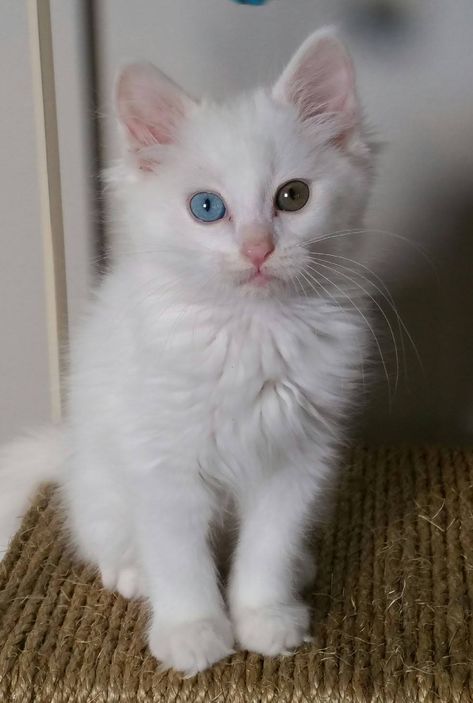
{"x": 248, "y": 145}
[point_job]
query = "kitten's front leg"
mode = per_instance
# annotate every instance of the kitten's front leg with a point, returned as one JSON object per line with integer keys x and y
{"x": 268, "y": 614}
{"x": 190, "y": 629}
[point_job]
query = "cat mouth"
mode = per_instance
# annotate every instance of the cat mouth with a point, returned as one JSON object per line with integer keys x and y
{"x": 259, "y": 279}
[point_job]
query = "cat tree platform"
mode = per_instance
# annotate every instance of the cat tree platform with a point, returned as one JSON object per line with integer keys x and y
{"x": 392, "y": 605}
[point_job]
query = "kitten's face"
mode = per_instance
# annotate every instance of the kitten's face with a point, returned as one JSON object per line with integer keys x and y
{"x": 232, "y": 199}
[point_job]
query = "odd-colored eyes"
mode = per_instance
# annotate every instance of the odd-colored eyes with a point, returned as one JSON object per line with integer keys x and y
{"x": 292, "y": 196}
{"x": 207, "y": 207}
{"x": 210, "y": 207}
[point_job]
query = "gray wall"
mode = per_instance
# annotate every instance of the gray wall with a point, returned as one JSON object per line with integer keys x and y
{"x": 416, "y": 78}
{"x": 43, "y": 50}
{"x": 25, "y": 397}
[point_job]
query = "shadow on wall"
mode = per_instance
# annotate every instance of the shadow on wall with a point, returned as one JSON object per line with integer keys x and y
{"x": 423, "y": 70}
{"x": 434, "y": 400}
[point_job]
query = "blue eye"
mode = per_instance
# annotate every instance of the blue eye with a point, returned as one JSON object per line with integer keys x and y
{"x": 207, "y": 207}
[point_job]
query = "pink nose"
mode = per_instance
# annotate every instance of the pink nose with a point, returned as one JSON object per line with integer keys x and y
{"x": 257, "y": 251}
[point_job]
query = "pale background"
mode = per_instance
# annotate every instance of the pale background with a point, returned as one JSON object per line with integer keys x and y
{"x": 415, "y": 65}
{"x": 24, "y": 354}
{"x": 33, "y": 300}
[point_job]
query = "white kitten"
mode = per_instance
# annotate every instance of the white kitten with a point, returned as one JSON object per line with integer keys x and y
{"x": 217, "y": 362}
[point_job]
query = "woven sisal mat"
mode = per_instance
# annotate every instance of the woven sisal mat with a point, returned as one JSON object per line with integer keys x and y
{"x": 392, "y": 605}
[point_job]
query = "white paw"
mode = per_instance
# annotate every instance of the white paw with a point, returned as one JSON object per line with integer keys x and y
{"x": 273, "y": 629}
{"x": 127, "y": 581}
{"x": 191, "y": 647}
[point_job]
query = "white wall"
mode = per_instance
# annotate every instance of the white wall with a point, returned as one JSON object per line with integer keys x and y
{"x": 417, "y": 86}
{"x": 25, "y": 375}
{"x": 75, "y": 127}
{"x": 46, "y": 197}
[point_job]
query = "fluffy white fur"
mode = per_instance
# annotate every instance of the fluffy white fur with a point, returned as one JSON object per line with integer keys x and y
{"x": 193, "y": 390}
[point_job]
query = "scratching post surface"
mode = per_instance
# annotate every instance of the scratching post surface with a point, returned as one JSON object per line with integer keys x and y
{"x": 392, "y": 605}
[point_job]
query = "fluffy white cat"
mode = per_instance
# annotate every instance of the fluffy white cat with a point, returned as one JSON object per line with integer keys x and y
{"x": 216, "y": 368}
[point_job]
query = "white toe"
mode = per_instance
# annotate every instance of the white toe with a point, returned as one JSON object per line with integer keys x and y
{"x": 126, "y": 580}
{"x": 272, "y": 629}
{"x": 192, "y": 646}
{"x": 129, "y": 582}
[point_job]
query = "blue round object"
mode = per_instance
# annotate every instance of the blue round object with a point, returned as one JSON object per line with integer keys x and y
{"x": 250, "y": 2}
{"x": 207, "y": 207}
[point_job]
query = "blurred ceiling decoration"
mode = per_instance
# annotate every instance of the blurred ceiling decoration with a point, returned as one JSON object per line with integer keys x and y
{"x": 380, "y": 20}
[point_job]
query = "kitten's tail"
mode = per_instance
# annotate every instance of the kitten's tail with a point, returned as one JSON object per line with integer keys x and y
{"x": 25, "y": 463}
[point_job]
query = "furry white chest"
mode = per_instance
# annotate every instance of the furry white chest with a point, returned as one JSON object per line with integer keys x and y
{"x": 244, "y": 391}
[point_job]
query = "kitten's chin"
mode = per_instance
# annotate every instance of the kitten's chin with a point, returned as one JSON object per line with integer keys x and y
{"x": 263, "y": 284}
{"x": 259, "y": 279}
{"x": 257, "y": 284}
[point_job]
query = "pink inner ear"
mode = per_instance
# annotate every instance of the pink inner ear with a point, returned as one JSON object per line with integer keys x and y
{"x": 320, "y": 80}
{"x": 150, "y": 107}
{"x": 141, "y": 134}
{"x": 157, "y": 126}
{"x": 320, "y": 89}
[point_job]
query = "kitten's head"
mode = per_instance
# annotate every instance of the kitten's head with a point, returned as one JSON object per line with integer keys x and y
{"x": 233, "y": 198}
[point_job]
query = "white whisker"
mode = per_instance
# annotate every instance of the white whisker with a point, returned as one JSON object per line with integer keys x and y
{"x": 310, "y": 280}
{"x": 385, "y": 293}
{"x": 388, "y": 323}
{"x": 368, "y": 324}
{"x": 360, "y": 231}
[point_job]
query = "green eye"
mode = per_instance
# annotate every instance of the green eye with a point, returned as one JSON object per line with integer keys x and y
{"x": 292, "y": 196}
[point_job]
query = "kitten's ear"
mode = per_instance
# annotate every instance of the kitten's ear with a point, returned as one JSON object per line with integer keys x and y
{"x": 320, "y": 82}
{"x": 150, "y": 107}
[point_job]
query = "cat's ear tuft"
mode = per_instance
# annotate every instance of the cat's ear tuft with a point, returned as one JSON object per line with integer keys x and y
{"x": 150, "y": 108}
{"x": 320, "y": 82}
